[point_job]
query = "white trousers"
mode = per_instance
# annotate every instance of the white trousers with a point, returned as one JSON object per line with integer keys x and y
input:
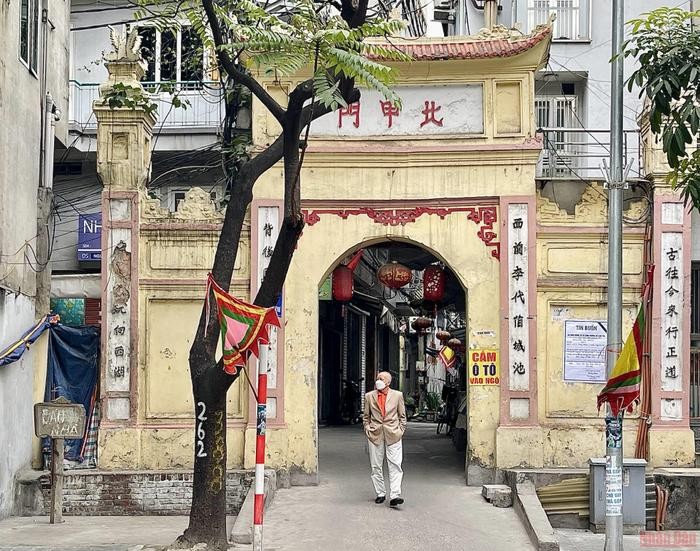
{"x": 394, "y": 455}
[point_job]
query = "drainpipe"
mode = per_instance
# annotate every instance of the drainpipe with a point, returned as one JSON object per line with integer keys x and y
{"x": 44, "y": 203}
{"x": 490, "y": 13}
{"x": 49, "y": 115}
{"x": 461, "y": 18}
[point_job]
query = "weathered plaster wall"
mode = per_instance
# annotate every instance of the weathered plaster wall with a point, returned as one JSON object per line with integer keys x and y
{"x": 16, "y": 384}
{"x": 176, "y": 252}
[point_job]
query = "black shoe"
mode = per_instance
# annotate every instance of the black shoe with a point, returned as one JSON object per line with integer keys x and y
{"x": 380, "y": 499}
{"x": 396, "y": 502}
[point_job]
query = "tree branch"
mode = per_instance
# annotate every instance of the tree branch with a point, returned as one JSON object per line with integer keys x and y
{"x": 248, "y": 81}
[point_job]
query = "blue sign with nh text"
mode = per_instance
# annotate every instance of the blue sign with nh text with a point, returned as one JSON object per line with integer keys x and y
{"x": 90, "y": 237}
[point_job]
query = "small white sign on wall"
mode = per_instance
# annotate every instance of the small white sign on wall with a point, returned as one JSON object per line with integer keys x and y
{"x": 585, "y": 346}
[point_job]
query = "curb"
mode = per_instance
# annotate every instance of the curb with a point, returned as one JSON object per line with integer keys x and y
{"x": 529, "y": 509}
{"x": 242, "y": 531}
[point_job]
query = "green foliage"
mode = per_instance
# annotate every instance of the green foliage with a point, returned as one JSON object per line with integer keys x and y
{"x": 667, "y": 49}
{"x": 130, "y": 97}
{"x": 282, "y": 47}
{"x": 432, "y": 401}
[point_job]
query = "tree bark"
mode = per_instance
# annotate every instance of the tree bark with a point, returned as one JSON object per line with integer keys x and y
{"x": 208, "y": 512}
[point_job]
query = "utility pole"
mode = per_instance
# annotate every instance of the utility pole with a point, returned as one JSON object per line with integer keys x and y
{"x": 613, "y": 425}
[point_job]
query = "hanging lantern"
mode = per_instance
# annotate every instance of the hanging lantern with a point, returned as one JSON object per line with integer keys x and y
{"x": 454, "y": 344}
{"x": 342, "y": 284}
{"x": 421, "y": 324}
{"x": 443, "y": 336}
{"x": 433, "y": 283}
{"x": 394, "y": 275}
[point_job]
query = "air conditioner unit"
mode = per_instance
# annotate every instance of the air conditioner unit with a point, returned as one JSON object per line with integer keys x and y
{"x": 444, "y": 11}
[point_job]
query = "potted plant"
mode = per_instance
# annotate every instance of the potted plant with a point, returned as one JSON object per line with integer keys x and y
{"x": 432, "y": 401}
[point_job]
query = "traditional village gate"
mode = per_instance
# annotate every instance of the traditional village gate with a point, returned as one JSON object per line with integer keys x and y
{"x": 453, "y": 172}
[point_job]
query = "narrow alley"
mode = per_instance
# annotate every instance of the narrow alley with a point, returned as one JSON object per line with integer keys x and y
{"x": 440, "y": 512}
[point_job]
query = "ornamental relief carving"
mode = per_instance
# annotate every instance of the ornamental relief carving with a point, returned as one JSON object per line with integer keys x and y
{"x": 197, "y": 206}
{"x": 592, "y": 208}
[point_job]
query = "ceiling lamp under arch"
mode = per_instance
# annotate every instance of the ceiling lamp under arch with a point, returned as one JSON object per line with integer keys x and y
{"x": 394, "y": 275}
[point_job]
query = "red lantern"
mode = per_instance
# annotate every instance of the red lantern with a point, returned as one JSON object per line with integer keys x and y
{"x": 443, "y": 336}
{"x": 421, "y": 324}
{"x": 454, "y": 344}
{"x": 394, "y": 275}
{"x": 342, "y": 284}
{"x": 433, "y": 283}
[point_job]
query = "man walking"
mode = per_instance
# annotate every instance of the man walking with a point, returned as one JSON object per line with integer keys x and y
{"x": 384, "y": 420}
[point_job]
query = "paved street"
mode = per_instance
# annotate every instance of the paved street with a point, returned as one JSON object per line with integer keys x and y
{"x": 440, "y": 512}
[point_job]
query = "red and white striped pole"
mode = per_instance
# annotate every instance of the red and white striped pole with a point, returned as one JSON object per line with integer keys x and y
{"x": 259, "y": 505}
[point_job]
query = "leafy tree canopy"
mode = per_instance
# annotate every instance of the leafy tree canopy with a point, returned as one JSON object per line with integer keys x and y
{"x": 667, "y": 47}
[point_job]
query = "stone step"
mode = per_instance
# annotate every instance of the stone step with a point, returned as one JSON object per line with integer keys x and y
{"x": 499, "y": 495}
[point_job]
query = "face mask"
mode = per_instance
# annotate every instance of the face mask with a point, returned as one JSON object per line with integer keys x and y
{"x": 381, "y": 385}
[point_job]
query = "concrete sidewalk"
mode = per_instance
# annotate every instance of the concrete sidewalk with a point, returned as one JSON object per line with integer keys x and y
{"x": 440, "y": 513}
{"x": 91, "y": 533}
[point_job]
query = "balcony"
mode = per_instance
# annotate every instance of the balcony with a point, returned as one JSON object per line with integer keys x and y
{"x": 204, "y": 113}
{"x": 579, "y": 153}
{"x": 572, "y": 17}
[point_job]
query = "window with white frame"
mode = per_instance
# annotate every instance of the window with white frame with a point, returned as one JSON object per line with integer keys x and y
{"x": 173, "y": 55}
{"x": 571, "y": 17}
{"x": 555, "y": 115}
{"x": 29, "y": 33}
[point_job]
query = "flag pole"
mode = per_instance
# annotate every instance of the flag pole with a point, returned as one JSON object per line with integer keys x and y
{"x": 259, "y": 503}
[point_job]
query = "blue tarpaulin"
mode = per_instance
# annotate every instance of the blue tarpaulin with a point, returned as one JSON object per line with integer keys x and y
{"x": 14, "y": 352}
{"x": 72, "y": 372}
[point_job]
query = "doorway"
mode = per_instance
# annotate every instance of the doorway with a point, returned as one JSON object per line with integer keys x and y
{"x": 401, "y": 310}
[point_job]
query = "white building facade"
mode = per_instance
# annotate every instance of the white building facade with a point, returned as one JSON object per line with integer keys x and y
{"x": 33, "y": 63}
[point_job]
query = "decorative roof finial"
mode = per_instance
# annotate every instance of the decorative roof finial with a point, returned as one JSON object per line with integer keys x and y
{"x": 127, "y": 47}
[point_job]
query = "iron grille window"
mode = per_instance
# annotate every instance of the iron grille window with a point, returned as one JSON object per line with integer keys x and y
{"x": 559, "y": 156}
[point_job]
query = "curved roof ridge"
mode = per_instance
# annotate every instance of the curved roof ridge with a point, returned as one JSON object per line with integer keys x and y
{"x": 498, "y": 42}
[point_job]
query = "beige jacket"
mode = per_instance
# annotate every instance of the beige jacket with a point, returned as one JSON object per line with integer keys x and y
{"x": 391, "y": 427}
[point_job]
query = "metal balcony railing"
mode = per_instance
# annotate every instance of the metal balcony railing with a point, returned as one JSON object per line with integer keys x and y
{"x": 572, "y": 17}
{"x": 205, "y": 109}
{"x": 579, "y": 153}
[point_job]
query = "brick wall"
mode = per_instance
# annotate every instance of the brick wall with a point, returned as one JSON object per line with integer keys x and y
{"x": 135, "y": 493}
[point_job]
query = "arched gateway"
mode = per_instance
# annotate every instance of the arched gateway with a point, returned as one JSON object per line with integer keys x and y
{"x": 453, "y": 172}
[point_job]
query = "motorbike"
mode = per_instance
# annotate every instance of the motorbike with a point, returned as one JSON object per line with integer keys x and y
{"x": 350, "y": 412}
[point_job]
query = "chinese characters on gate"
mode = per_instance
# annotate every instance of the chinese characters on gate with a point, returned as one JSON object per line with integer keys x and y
{"x": 671, "y": 309}
{"x": 518, "y": 299}
{"x": 268, "y": 229}
{"x": 390, "y": 110}
{"x": 423, "y": 110}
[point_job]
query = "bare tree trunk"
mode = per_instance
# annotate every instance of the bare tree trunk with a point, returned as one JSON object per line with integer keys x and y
{"x": 208, "y": 512}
